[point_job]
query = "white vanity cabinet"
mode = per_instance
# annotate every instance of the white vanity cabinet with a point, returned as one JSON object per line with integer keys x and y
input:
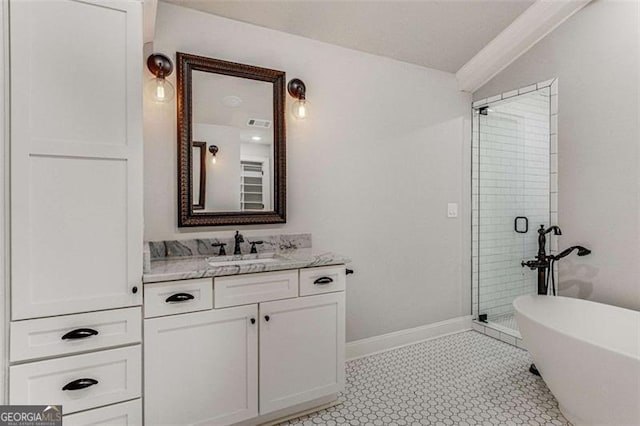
{"x": 201, "y": 367}
{"x": 250, "y": 363}
{"x": 302, "y": 347}
{"x": 76, "y": 208}
{"x": 76, "y": 156}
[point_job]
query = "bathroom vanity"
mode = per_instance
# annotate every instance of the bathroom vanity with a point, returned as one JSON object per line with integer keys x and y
{"x": 243, "y": 339}
{"x": 217, "y": 339}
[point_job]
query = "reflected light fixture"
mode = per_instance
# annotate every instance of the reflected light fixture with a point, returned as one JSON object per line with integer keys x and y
{"x": 159, "y": 88}
{"x": 297, "y": 90}
{"x": 213, "y": 149}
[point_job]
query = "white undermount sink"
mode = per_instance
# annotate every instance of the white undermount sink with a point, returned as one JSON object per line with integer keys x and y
{"x": 246, "y": 259}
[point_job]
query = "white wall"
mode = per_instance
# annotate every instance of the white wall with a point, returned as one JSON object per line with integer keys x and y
{"x": 369, "y": 173}
{"x": 227, "y": 168}
{"x": 595, "y": 55}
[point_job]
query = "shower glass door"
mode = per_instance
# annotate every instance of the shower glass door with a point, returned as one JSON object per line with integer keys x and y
{"x": 510, "y": 201}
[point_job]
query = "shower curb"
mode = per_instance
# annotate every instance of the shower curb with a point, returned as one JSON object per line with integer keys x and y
{"x": 498, "y": 333}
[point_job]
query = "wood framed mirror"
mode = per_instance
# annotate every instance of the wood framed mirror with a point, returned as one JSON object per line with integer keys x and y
{"x": 235, "y": 115}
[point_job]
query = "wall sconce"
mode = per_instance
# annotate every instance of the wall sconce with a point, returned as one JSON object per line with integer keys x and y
{"x": 297, "y": 89}
{"x": 213, "y": 149}
{"x": 158, "y": 88}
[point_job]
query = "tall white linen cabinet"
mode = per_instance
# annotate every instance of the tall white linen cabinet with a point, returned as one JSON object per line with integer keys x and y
{"x": 76, "y": 207}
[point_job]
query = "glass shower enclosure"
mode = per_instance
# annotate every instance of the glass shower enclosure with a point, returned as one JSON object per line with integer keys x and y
{"x": 511, "y": 200}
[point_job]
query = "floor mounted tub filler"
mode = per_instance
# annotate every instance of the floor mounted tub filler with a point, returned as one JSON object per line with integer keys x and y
{"x": 588, "y": 354}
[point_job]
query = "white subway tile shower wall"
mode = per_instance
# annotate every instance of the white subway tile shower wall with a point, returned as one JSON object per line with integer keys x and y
{"x": 512, "y": 175}
{"x": 553, "y": 162}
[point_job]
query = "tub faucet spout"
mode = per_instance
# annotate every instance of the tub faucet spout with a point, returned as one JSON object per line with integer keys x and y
{"x": 542, "y": 238}
{"x": 541, "y": 262}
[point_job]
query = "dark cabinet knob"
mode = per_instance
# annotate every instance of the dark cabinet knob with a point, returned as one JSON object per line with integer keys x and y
{"x": 80, "y": 333}
{"x": 323, "y": 280}
{"x": 253, "y": 320}
{"x": 349, "y": 271}
{"x": 267, "y": 318}
{"x": 134, "y": 289}
{"x": 79, "y": 384}
{"x": 179, "y": 297}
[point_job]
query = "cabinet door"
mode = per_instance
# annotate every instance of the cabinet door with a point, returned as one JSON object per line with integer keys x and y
{"x": 76, "y": 156}
{"x": 302, "y": 343}
{"x": 202, "y": 367}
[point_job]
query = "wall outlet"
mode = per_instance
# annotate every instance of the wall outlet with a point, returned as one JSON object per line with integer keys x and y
{"x": 452, "y": 210}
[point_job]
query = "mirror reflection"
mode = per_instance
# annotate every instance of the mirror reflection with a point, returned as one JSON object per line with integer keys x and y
{"x": 234, "y": 115}
{"x": 199, "y": 173}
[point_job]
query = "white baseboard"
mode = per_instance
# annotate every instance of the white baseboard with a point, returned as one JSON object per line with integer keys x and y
{"x": 396, "y": 339}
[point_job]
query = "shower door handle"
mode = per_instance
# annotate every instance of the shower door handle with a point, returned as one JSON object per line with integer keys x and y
{"x": 516, "y": 226}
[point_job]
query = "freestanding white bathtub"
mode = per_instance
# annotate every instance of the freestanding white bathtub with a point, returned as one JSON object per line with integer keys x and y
{"x": 588, "y": 354}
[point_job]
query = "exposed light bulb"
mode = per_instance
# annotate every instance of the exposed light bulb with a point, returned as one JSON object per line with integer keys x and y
{"x": 256, "y": 138}
{"x": 301, "y": 113}
{"x": 160, "y": 90}
{"x": 213, "y": 149}
{"x": 300, "y": 109}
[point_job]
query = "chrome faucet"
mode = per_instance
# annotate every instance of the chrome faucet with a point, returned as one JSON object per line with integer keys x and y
{"x": 239, "y": 239}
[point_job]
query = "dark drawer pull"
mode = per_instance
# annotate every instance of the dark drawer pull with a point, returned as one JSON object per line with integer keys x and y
{"x": 80, "y": 333}
{"x": 323, "y": 280}
{"x": 179, "y": 297}
{"x": 348, "y": 271}
{"x": 79, "y": 384}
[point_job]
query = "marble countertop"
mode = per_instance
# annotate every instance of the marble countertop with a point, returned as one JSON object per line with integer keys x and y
{"x": 189, "y": 267}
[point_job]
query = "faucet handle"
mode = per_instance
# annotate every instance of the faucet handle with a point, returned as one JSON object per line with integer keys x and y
{"x": 531, "y": 264}
{"x": 239, "y": 237}
{"x": 222, "y": 251}
{"x": 253, "y": 246}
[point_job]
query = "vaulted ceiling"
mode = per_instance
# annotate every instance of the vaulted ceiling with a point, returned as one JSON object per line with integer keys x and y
{"x": 440, "y": 34}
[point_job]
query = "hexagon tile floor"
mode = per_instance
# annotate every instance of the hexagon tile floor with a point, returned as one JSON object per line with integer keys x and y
{"x": 461, "y": 379}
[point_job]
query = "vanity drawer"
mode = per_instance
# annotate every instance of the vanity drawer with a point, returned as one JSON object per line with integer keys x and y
{"x": 124, "y": 414}
{"x": 68, "y": 334}
{"x": 92, "y": 380}
{"x": 116, "y": 375}
{"x": 177, "y": 297}
{"x": 323, "y": 279}
{"x": 254, "y": 288}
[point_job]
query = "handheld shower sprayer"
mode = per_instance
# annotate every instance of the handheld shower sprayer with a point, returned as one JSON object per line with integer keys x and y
{"x": 582, "y": 251}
